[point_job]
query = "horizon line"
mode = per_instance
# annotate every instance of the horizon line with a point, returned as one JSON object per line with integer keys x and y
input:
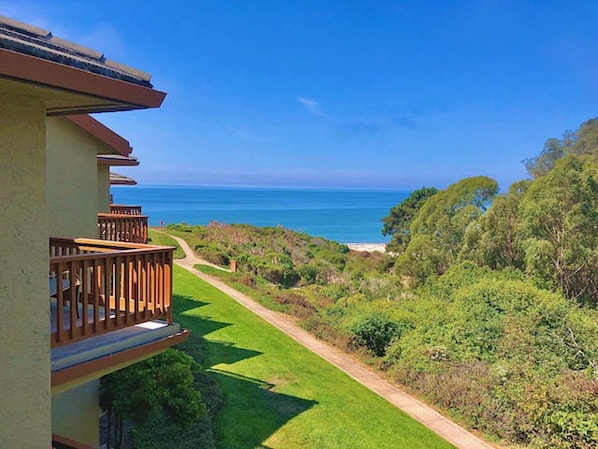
{"x": 262, "y": 187}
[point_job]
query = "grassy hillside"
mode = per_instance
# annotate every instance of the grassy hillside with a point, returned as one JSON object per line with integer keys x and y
{"x": 277, "y": 393}
{"x": 493, "y": 348}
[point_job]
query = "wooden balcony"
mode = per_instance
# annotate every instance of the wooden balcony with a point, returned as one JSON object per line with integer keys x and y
{"x": 123, "y": 227}
{"x": 98, "y": 287}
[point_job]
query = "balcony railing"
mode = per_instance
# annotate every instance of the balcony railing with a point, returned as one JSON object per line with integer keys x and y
{"x": 98, "y": 287}
{"x": 122, "y": 227}
{"x": 125, "y": 210}
{"x": 60, "y": 442}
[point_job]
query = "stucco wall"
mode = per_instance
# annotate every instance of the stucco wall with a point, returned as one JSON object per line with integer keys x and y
{"x": 103, "y": 188}
{"x": 72, "y": 180}
{"x": 24, "y": 332}
{"x": 76, "y": 413}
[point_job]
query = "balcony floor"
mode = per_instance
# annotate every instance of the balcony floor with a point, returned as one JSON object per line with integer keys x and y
{"x": 110, "y": 343}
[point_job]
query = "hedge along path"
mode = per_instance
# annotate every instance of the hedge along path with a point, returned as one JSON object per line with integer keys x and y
{"x": 430, "y": 418}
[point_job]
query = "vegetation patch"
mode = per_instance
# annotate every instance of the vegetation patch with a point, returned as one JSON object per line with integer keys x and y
{"x": 277, "y": 393}
{"x": 487, "y": 305}
{"x": 157, "y": 403}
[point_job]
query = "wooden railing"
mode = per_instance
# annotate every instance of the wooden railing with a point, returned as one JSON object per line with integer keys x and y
{"x": 60, "y": 442}
{"x": 126, "y": 210}
{"x": 103, "y": 286}
{"x": 122, "y": 227}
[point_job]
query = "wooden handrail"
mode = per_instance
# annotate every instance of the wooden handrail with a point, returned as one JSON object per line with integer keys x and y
{"x": 124, "y": 209}
{"x": 107, "y": 286}
{"x": 122, "y": 227}
{"x": 100, "y": 243}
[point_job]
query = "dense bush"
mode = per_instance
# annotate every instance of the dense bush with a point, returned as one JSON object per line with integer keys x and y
{"x": 182, "y": 227}
{"x": 213, "y": 254}
{"x": 309, "y": 273}
{"x": 510, "y": 358}
{"x": 161, "y": 388}
{"x": 375, "y": 331}
{"x": 157, "y": 433}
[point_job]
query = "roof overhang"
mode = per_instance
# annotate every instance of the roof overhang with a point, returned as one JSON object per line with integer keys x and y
{"x": 68, "y": 77}
{"x": 95, "y": 93}
{"x": 117, "y": 160}
{"x": 119, "y": 144}
{"x": 116, "y": 179}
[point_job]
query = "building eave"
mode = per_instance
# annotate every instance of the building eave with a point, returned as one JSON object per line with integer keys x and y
{"x": 116, "y": 179}
{"x": 114, "y": 160}
{"x": 116, "y": 95}
{"x": 114, "y": 141}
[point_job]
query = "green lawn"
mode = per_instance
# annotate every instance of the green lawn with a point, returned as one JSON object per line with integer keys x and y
{"x": 277, "y": 393}
{"x": 158, "y": 238}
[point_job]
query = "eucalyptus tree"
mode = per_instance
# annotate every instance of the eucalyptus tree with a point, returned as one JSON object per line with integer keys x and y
{"x": 437, "y": 231}
{"x": 495, "y": 240}
{"x": 582, "y": 141}
{"x": 559, "y": 221}
{"x": 398, "y": 222}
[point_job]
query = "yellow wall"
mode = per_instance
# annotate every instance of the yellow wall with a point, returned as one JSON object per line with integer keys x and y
{"x": 72, "y": 180}
{"x": 76, "y": 414}
{"x": 24, "y": 331}
{"x": 103, "y": 188}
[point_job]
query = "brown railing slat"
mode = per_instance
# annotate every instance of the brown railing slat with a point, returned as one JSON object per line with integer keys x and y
{"x": 107, "y": 287}
{"x": 97, "y": 278}
{"x": 85, "y": 279}
{"x": 60, "y": 303}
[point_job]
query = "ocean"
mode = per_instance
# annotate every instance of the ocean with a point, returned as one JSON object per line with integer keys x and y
{"x": 347, "y": 216}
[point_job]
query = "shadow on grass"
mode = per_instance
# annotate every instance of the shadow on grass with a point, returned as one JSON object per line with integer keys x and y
{"x": 253, "y": 410}
{"x": 184, "y": 303}
{"x": 201, "y": 324}
{"x": 226, "y": 352}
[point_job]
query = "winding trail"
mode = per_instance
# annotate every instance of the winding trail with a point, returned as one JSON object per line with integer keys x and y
{"x": 444, "y": 427}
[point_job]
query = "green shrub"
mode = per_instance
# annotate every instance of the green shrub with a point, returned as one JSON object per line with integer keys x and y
{"x": 276, "y": 268}
{"x": 309, "y": 273}
{"x": 182, "y": 227}
{"x": 336, "y": 291}
{"x": 375, "y": 331}
{"x": 161, "y": 387}
{"x": 214, "y": 255}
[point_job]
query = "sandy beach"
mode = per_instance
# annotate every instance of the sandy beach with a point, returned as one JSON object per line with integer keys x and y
{"x": 369, "y": 247}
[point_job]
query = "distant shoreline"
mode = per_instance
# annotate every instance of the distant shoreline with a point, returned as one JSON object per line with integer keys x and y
{"x": 368, "y": 247}
{"x": 342, "y": 216}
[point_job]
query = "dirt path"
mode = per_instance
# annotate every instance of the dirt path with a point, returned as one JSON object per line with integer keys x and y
{"x": 444, "y": 427}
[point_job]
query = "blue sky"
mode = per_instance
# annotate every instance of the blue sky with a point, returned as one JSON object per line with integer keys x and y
{"x": 376, "y": 94}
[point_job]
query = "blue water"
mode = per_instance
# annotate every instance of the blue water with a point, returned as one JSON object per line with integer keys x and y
{"x": 347, "y": 216}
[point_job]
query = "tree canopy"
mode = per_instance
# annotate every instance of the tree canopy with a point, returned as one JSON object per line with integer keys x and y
{"x": 583, "y": 141}
{"x": 398, "y": 222}
{"x": 438, "y": 228}
{"x": 559, "y": 224}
